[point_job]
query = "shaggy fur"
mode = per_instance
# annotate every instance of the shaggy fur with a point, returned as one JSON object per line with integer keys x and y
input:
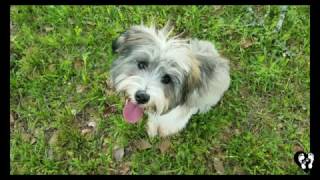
{"x": 198, "y": 76}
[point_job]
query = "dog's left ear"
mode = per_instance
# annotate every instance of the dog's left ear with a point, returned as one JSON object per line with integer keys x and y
{"x": 115, "y": 46}
{"x": 116, "y": 43}
{"x": 192, "y": 81}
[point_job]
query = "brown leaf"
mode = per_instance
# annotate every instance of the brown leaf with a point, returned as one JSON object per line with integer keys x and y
{"x": 280, "y": 125}
{"x": 109, "y": 109}
{"x": 78, "y": 64}
{"x": 52, "y": 67}
{"x": 164, "y": 146}
{"x": 106, "y": 142}
{"x": 108, "y": 83}
{"x": 26, "y": 137}
{"x": 118, "y": 153}
{"x": 37, "y": 132}
{"x": 297, "y": 147}
{"x": 124, "y": 168}
{"x": 90, "y": 23}
{"x": 85, "y": 131}
{"x": 218, "y": 165}
{"x": 246, "y": 43}
{"x": 54, "y": 138}
{"x": 238, "y": 171}
{"x": 70, "y": 21}
{"x": 143, "y": 144}
{"x": 92, "y": 124}
{"x": 217, "y": 7}
{"x": 11, "y": 119}
{"x": 80, "y": 88}
{"x": 11, "y": 26}
{"x": 91, "y": 111}
{"x": 237, "y": 132}
{"x": 109, "y": 92}
{"x": 48, "y": 29}
{"x": 33, "y": 140}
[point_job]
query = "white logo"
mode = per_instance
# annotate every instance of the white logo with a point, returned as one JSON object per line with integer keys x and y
{"x": 304, "y": 160}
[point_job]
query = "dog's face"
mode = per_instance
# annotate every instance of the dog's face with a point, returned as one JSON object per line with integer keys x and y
{"x": 155, "y": 72}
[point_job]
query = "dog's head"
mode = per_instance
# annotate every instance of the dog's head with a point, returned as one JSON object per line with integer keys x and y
{"x": 155, "y": 72}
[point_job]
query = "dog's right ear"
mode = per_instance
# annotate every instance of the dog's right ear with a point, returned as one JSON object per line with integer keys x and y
{"x": 118, "y": 41}
{"x": 136, "y": 35}
{"x": 115, "y": 45}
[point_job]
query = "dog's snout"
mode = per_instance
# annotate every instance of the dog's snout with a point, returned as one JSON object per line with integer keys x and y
{"x": 142, "y": 97}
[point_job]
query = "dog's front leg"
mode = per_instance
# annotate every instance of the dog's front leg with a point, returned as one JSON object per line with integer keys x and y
{"x": 152, "y": 125}
{"x": 174, "y": 121}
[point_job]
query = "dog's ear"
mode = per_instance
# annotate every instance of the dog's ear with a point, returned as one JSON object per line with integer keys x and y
{"x": 133, "y": 37}
{"x": 115, "y": 45}
{"x": 192, "y": 81}
{"x": 117, "y": 42}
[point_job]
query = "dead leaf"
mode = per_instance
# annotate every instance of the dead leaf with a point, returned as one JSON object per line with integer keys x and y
{"x": 26, "y": 137}
{"x": 109, "y": 92}
{"x": 124, "y": 168}
{"x": 50, "y": 153}
{"x": 11, "y": 119}
{"x": 280, "y": 125}
{"x": 70, "y": 21}
{"x": 54, "y": 138}
{"x": 90, "y": 23}
{"x": 109, "y": 109}
{"x": 246, "y": 43}
{"x": 109, "y": 89}
{"x": 105, "y": 144}
{"x": 91, "y": 111}
{"x": 217, "y": 7}
{"x": 80, "y": 88}
{"x": 11, "y": 26}
{"x": 143, "y": 144}
{"x": 238, "y": 170}
{"x": 109, "y": 83}
{"x": 37, "y": 132}
{"x": 237, "y": 132}
{"x": 118, "y": 153}
{"x": 218, "y": 166}
{"x": 297, "y": 147}
{"x": 92, "y": 124}
{"x": 78, "y": 64}
{"x": 164, "y": 146}
{"x": 70, "y": 153}
{"x": 48, "y": 29}
{"x": 52, "y": 67}
{"x": 85, "y": 131}
{"x": 33, "y": 140}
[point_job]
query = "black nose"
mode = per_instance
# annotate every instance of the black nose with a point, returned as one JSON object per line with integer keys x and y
{"x": 142, "y": 97}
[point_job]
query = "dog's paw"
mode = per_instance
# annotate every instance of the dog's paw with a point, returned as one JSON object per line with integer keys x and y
{"x": 165, "y": 131}
{"x": 152, "y": 130}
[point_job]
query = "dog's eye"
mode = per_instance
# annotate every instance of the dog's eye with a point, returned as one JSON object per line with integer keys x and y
{"x": 166, "y": 79}
{"x": 142, "y": 65}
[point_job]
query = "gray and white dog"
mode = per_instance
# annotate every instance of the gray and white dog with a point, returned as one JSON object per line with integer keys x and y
{"x": 168, "y": 78}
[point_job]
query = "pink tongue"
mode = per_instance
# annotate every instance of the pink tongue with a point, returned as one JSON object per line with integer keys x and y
{"x": 132, "y": 112}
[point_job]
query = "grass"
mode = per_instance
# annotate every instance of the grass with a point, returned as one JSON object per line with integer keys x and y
{"x": 59, "y": 68}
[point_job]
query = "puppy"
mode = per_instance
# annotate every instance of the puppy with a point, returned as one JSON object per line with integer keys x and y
{"x": 168, "y": 78}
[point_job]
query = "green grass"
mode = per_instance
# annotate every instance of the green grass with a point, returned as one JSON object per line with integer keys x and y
{"x": 59, "y": 66}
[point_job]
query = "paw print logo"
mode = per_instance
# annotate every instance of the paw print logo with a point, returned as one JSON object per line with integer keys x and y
{"x": 304, "y": 160}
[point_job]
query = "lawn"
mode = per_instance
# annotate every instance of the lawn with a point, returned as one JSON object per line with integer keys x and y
{"x": 66, "y": 119}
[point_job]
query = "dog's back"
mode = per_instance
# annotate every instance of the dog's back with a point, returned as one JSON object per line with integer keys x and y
{"x": 214, "y": 72}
